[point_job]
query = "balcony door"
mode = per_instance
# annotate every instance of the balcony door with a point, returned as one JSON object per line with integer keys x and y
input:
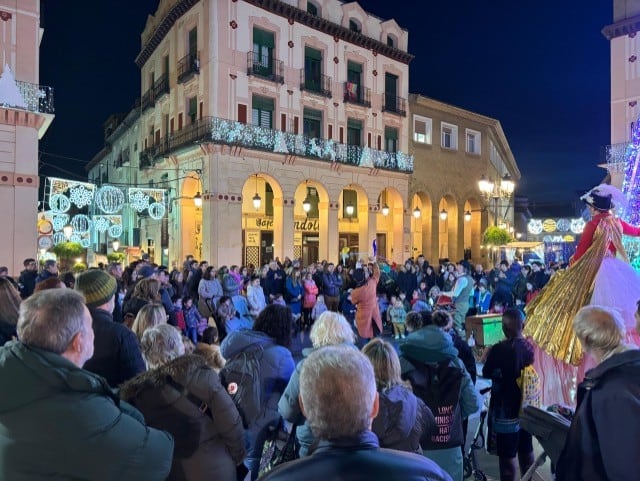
{"x": 263, "y": 45}
{"x": 312, "y": 123}
{"x": 354, "y": 132}
{"x": 262, "y": 111}
{"x": 390, "y": 91}
{"x": 193, "y": 42}
{"x": 354, "y": 81}
{"x": 312, "y": 69}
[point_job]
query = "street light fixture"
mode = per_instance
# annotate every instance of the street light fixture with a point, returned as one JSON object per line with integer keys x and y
{"x": 494, "y": 192}
{"x": 67, "y": 230}
{"x": 467, "y": 216}
{"x": 257, "y": 200}
{"x": 385, "y": 210}
{"x": 306, "y": 205}
{"x": 443, "y": 214}
{"x": 197, "y": 199}
{"x": 417, "y": 212}
{"x": 116, "y": 245}
{"x": 349, "y": 209}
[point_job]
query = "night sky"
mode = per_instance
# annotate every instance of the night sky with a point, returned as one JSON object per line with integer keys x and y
{"x": 540, "y": 68}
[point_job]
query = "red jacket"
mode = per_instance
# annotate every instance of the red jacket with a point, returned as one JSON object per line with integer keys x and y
{"x": 586, "y": 238}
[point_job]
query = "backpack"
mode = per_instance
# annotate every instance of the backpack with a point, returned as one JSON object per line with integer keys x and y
{"x": 241, "y": 376}
{"x": 438, "y": 385}
{"x": 529, "y": 384}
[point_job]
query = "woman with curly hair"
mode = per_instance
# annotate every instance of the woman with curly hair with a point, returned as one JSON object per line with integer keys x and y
{"x": 270, "y": 337}
{"x": 149, "y": 315}
{"x": 9, "y": 310}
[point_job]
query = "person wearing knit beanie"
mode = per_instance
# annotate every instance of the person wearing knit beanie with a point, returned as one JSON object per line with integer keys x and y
{"x": 98, "y": 287}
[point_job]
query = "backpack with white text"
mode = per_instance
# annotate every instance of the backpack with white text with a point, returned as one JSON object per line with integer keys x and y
{"x": 241, "y": 376}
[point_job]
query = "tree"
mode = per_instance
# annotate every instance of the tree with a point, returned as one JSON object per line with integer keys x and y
{"x": 496, "y": 236}
{"x": 66, "y": 251}
{"x": 115, "y": 257}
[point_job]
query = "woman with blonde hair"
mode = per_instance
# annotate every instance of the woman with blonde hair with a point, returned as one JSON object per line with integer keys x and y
{"x": 403, "y": 419}
{"x": 9, "y": 310}
{"x": 602, "y": 440}
{"x": 330, "y": 329}
{"x": 148, "y": 316}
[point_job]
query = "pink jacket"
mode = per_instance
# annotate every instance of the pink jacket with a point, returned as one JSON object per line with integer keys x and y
{"x": 366, "y": 301}
{"x": 310, "y": 294}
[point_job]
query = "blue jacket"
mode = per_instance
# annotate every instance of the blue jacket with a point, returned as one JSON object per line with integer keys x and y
{"x": 331, "y": 284}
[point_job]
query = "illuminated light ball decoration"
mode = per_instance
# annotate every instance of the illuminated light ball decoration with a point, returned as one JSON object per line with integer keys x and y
{"x": 563, "y": 225}
{"x": 535, "y": 226}
{"x": 75, "y": 238}
{"x": 157, "y": 210}
{"x": 81, "y": 196}
{"x": 59, "y": 203}
{"x": 109, "y": 199}
{"x": 81, "y": 224}
{"x": 85, "y": 242}
{"x": 59, "y": 221}
{"x": 115, "y": 230}
{"x": 58, "y": 237}
{"x": 549, "y": 225}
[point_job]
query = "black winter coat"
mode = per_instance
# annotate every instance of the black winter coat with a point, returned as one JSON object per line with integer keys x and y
{"x": 603, "y": 439}
{"x": 206, "y": 446}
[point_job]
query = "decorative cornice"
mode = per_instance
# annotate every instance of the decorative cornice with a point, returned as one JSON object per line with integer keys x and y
{"x": 161, "y": 31}
{"x": 628, "y": 26}
{"x": 337, "y": 31}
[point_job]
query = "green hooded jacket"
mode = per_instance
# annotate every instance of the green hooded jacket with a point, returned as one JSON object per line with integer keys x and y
{"x": 59, "y": 422}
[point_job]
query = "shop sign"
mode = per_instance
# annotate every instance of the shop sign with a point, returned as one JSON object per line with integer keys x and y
{"x": 307, "y": 225}
{"x": 253, "y": 238}
{"x": 264, "y": 222}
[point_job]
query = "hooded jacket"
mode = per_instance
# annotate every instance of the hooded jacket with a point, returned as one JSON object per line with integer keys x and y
{"x": 204, "y": 444}
{"x": 603, "y": 438}
{"x": 60, "y": 422}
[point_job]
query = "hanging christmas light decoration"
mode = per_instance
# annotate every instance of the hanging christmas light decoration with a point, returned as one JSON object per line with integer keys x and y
{"x": 59, "y": 221}
{"x": 81, "y": 196}
{"x": 109, "y": 199}
{"x": 115, "y": 230}
{"x": 138, "y": 200}
{"x": 58, "y": 237}
{"x": 577, "y": 225}
{"x": 85, "y": 242}
{"x": 100, "y": 223}
{"x": 81, "y": 224}
{"x": 75, "y": 238}
{"x": 157, "y": 210}
{"x": 59, "y": 203}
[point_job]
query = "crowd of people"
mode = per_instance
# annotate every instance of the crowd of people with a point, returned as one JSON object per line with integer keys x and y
{"x": 188, "y": 374}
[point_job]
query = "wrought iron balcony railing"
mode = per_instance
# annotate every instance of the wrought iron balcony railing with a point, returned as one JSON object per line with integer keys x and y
{"x": 147, "y": 100}
{"x": 161, "y": 86}
{"x": 188, "y": 66}
{"x": 357, "y": 94}
{"x": 265, "y": 66}
{"x": 37, "y": 98}
{"x": 394, "y": 104}
{"x": 318, "y": 84}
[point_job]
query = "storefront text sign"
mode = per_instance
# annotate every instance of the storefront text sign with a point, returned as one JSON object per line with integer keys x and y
{"x": 307, "y": 225}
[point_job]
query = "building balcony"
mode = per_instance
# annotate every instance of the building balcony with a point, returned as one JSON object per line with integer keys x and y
{"x": 230, "y": 132}
{"x": 122, "y": 160}
{"x": 147, "y": 100}
{"x": 161, "y": 87}
{"x": 37, "y": 98}
{"x": 265, "y": 67}
{"x": 317, "y": 84}
{"x": 356, "y": 94}
{"x": 188, "y": 66}
{"x": 394, "y": 104}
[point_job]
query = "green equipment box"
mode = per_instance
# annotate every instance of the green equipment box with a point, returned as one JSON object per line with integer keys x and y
{"x": 486, "y": 328}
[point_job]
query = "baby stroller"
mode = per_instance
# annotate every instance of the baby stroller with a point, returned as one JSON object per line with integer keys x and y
{"x": 470, "y": 462}
{"x": 550, "y": 429}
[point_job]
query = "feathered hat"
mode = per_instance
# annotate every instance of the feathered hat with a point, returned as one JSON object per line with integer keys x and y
{"x": 605, "y": 197}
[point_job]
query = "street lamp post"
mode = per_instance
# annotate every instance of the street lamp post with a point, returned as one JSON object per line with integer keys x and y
{"x": 494, "y": 192}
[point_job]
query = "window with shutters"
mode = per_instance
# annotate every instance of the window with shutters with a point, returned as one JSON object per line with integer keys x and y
{"x": 421, "y": 129}
{"x": 449, "y": 134}
{"x": 312, "y": 123}
{"x": 263, "y": 45}
{"x": 312, "y": 8}
{"x": 473, "y": 141}
{"x": 262, "y": 111}
{"x": 391, "y": 139}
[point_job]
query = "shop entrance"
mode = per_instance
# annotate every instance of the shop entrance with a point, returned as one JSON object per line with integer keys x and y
{"x": 310, "y": 248}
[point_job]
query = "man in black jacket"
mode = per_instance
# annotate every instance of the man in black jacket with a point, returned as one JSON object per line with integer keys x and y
{"x": 116, "y": 355}
{"x": 27, "y": 280}
{"x": 339, "y": 399}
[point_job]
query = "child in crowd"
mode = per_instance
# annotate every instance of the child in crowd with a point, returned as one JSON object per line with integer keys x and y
{"x": 497, "y": 308}
{"x": 398, "y": 316}
{"x": 349, "y": 309}
{"x": 309, "y": 300}
{"x": 209, "y": 349}
{"x": 532, "y": 292}
{"x": 177, "y": 309}
{"x": 319, "y": 308}
{"x": 482, "y": 297}
{"x": 405, "y": 302}
{"x": 418, "y": 304}
{"x": 192, "y": 318}
{"x": 504, "y": 364}
{"x": 279, "y": 300}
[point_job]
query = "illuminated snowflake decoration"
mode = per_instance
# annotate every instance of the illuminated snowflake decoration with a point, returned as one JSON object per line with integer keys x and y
{"x": 563, "y": 225}
{"x": 59, "y": 203}
{"x": 81, "y": 224}
{"x": 109, "y": 199}
{"x": 101, "y": 223}
{"x": 138, "y": 200}
{"x": 115, "y": 230}
{"x": 59, "y": 221}
{"x": 85, "y": 242}
{"x": 81, "y": 196}
{"x": 157, "y": 210}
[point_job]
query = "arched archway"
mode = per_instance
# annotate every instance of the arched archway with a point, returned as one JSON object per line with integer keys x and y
{"x": 353, "y": 222}
{"x": 448, "y": 219}
{"x": 472, "y": 234}
{"x": 262, "y": 219}
{"x": 421, "y": 226}
{"x": 390, "y": 224}
{"x": 190, "y": 222}
{"x": 310, "y": 218}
